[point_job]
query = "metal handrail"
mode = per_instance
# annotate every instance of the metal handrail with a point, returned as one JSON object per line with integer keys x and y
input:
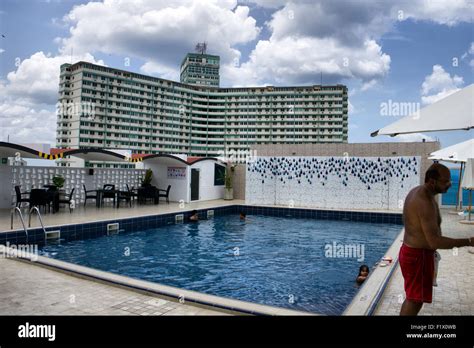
{"x": 16, "y": 209}
{"x": 33, "y": 209}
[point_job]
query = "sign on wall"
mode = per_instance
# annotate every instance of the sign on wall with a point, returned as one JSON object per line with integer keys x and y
{"x": 177, "y": 173}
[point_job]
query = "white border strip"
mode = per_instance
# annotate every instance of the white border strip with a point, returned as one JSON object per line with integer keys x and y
{"x": 366, "y": 300}
{"x": 189, "y": 297}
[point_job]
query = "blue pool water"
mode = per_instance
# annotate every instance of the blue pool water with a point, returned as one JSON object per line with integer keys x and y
{"x": 269, "y": 260}
{"x": 449, "y": 198}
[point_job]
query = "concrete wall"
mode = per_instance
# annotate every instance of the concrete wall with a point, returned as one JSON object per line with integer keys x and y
{"x": 207, "y": 190}
{"x": 238, "y": 181}
{"x": 179, "y": 187}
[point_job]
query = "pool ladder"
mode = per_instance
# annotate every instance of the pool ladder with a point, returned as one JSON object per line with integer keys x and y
{"x": 32, "y": 210}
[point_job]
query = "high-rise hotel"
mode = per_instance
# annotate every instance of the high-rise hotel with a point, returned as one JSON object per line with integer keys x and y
{"x": 124, "y": 110}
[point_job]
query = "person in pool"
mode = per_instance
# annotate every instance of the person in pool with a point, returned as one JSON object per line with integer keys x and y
{"x": 363, "y": 274}
{"x": 242, "y": 216}
{"x": 194, "y": 216}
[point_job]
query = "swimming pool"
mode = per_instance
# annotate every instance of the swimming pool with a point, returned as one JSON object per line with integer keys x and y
{"x": 450, "y": 197}
{"x": 273, "y": 260}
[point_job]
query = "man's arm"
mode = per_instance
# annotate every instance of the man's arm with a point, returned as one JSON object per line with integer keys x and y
{"x": 432, "y": 231}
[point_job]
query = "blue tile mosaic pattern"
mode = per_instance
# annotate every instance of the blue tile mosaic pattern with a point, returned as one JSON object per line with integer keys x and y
{"x": 332, "y": 182}
{"x": 96, "y": 229}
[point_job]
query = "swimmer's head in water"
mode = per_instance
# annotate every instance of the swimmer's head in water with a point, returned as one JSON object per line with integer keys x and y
{"x": 438, "y": 177}
{"x": 364, "y": 271}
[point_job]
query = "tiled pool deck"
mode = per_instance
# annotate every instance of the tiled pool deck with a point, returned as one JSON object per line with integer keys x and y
{"x": 91, "y": 213}
{"x": 34, "y": 290}
{"x": 454, "y": 294}
{"x": 26, "y": 289}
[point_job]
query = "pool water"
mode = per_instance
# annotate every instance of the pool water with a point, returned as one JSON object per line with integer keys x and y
{"x": 278, "y": 261}
{"x": 449, "y": 198}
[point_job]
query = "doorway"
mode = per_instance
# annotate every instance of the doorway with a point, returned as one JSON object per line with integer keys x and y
{"x": 194, "y": 184}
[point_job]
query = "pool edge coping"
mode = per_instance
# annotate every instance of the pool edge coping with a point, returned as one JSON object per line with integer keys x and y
{"x": 196, "y": 296}
{"x": 389, "y": 212}
{"x": 369, "y": 295}
{"x": 190, "y": 297}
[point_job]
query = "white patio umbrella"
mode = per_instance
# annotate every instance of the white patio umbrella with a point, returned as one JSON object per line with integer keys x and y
{"x": 468, "y": 181}
{"x": 454, "y": 112}
{"x": 458, "y": 153}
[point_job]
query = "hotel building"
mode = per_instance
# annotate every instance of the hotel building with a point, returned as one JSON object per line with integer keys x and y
{"x": 108, "y": 108}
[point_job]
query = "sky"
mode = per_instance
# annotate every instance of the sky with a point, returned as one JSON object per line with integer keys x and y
{"x": 385, "y": 52}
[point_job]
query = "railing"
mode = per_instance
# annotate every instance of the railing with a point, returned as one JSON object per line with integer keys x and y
{"x": 33, "y": 209}
{"x": 16, "y": 209}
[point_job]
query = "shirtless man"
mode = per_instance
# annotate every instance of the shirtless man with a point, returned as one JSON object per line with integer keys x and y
{"x": 422, "y": 237}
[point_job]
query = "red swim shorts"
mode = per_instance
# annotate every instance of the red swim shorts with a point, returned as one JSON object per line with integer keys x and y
{"x": 417, "y": 267}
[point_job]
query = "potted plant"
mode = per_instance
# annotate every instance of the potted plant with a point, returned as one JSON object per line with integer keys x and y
{"x": 58, "y": 181}
{"x": 229, "y": 191}
{"x": 147, "y": 179}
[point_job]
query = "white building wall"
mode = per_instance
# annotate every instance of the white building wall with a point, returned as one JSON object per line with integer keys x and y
{"x": 36, "y": 177}
{"x": 6, "y": 195}
{"x": 380, "y": 183}
{"x": 179, "y": 187}
{"x": 207, "y": 190}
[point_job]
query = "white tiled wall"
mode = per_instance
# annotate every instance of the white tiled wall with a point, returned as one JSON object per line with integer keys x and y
{"x": 343, "y": 183}
{"x": 35, "y": 177}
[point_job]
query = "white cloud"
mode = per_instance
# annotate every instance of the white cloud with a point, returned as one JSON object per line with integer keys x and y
{"x": 368, "y": 85}
{"x": 439, "y": 84}
{"x": 307, "y": 41}
{"x": 2, "y": 50}
{"x": 351, "y": 109}
{"x": 28, "y": 96}
{"x": 307, "y": 37}
{"x": 414, "y": 137}
{"x": 337, "y": 38}
{"x": 273, "y": 4}
{"x": 154, "y": 68}
{"x": 470, "y": 52}
{"x": 340, "y": 39}
{"x": 301, "y": 61}
{"x": 445, "y": 12}
{"x": 159, "y": 32}
{"x": 37, "y": 77}
{"x": 27, "y": 123}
